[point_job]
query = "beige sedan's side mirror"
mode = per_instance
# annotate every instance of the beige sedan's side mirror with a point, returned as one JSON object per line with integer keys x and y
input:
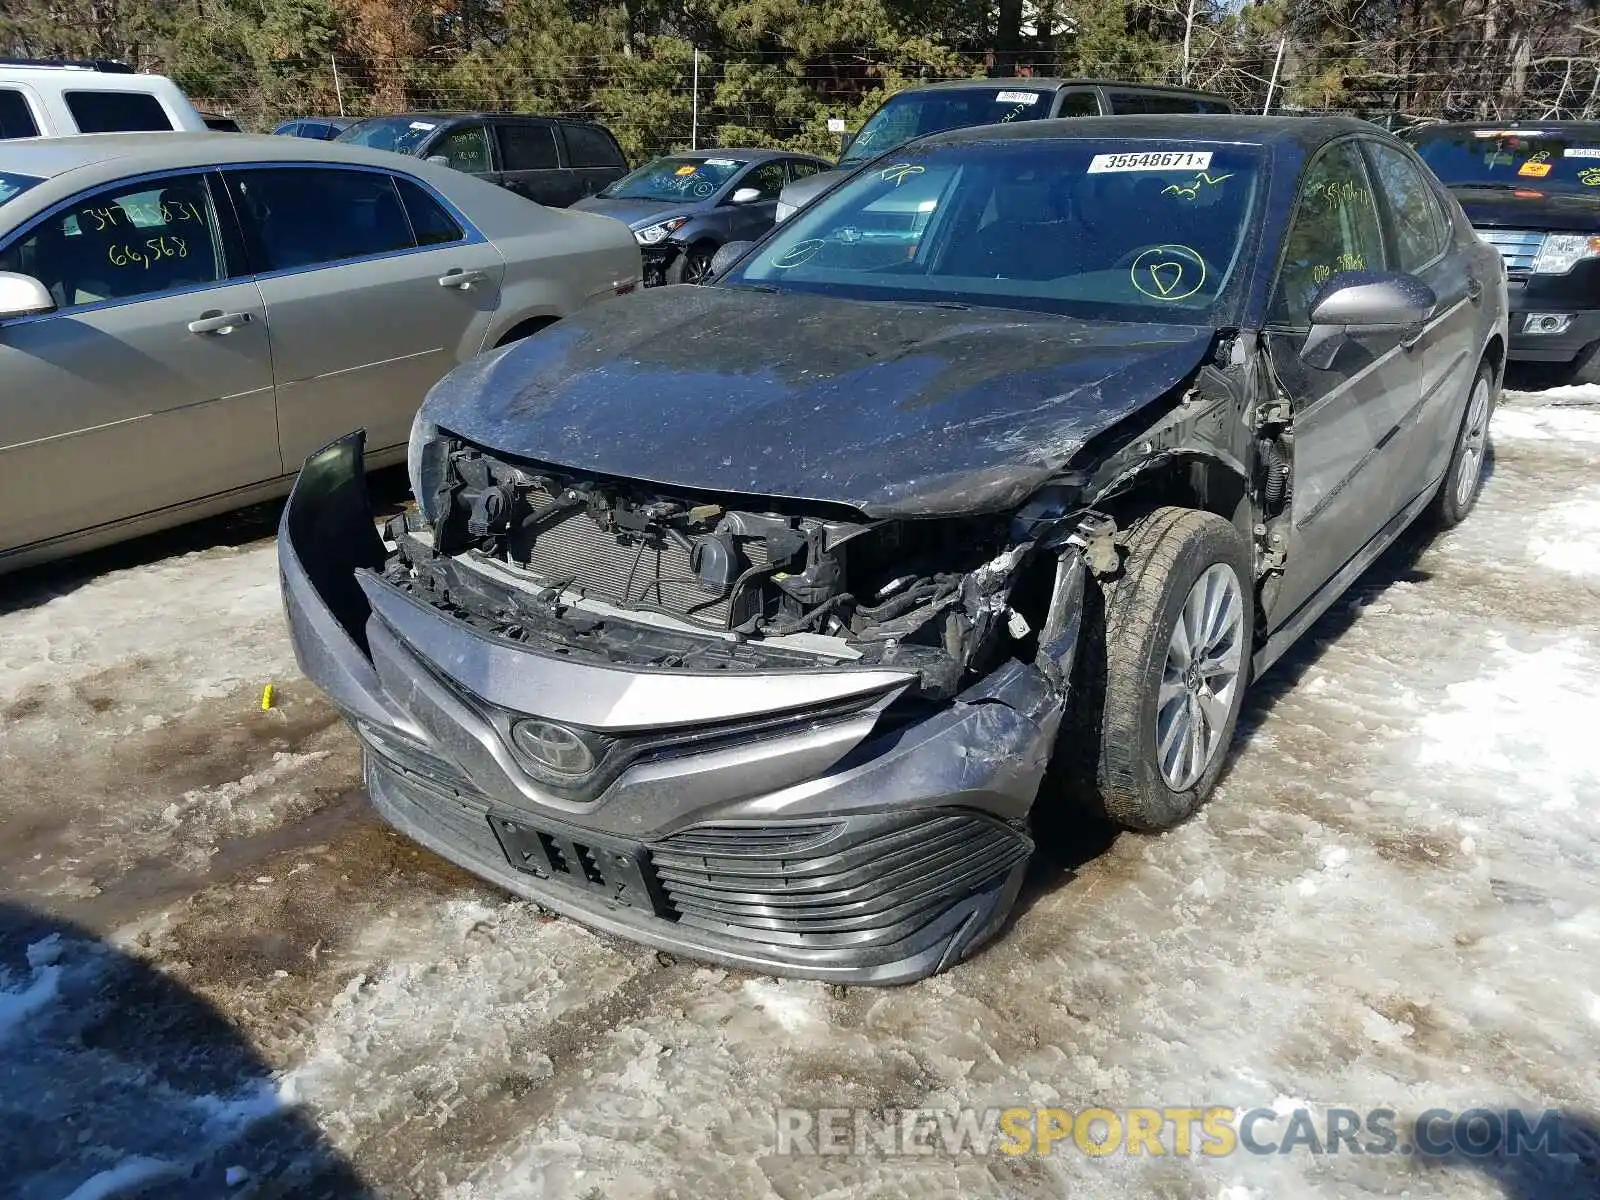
{"x": 23, "y": 296}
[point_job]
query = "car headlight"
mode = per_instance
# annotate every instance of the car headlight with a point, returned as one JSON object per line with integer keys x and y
{"x": 423, "y": 432}
{"x": 660, "y": 231}
{"x": 1563, "y": 251}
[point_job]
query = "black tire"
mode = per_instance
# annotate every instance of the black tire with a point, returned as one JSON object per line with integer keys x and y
{"x": 1586, "y": 367}
{"x": 1123, "y": 653}
{"x": 1456, "y": 495}
{"x": 693, "y": 265}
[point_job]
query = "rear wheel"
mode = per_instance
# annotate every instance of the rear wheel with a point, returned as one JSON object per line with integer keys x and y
{"x": 693, "y": 265}
{"x": 1458, "y": 491}
{"x": 1165, "y": 673}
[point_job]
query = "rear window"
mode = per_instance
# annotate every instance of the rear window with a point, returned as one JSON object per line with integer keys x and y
{"x": 12, "y": 185}
{"x": 1544, "y": 160}
{"x": 117, "y": 112}
{"x": 1155, "y": 102}
{"x": 591, "y": 147}
{"x": 15, "y": 119}
{"x": 916, "y": 113}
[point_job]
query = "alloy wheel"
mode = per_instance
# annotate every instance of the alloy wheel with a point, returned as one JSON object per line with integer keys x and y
{"x": 1198, "y": 680}
{"x": 1474, "y": 439}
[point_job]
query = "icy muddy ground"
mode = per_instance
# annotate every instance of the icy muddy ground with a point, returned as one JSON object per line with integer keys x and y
{"x": 219, "y": 975}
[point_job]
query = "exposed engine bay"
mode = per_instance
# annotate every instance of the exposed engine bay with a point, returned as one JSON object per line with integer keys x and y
{"x": 536, "y": 554}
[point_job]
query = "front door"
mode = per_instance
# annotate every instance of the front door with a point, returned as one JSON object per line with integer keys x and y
{"x": 1421, "y": 241}
{"x": 150, "y": 385}
{"x": 751, "y": 220}
{"x": 373, "y": 292}
{"x": 1346, "y": 418}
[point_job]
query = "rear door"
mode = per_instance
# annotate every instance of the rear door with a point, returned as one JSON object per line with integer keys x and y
{"x": 374, "y": 289}
{"x": 594, "y": 155}
{"x": 530, "y": 164}
{"x": 1421, "y": 243}
{"x": 150, "y": 385}
{"x": 1347, "y": 451}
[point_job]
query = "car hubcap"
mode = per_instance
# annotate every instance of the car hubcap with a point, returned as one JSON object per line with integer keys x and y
{"x": 696, "y": 269}
{"x": 1474, "y": 436}
{"x": 1204, "y": 659}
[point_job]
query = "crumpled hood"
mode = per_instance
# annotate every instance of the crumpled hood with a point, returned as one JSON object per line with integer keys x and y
{"x": 894, "y": 409}
{"x": 635, "y": 212}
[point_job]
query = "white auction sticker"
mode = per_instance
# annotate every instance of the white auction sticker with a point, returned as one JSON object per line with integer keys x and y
{"x": 1580, "y": 152}
{"x": 1016, "y": 98}
{"x": 1151, "y": 160}
{"x": 422, "y": 125}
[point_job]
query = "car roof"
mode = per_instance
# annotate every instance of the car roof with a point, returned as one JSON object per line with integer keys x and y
{"x": 1042, "y": 81}
{"x": 1521, "y": 125}
{"x": 1299, "y": 132}
{"x": 754, "y": 154}
{"x": 475, "y": 116}
{"x": 118, "y": 154}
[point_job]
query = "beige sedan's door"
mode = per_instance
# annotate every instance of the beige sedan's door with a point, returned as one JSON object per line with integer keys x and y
{"x": 151, "y": 384}
{"x": 373, "y": 292}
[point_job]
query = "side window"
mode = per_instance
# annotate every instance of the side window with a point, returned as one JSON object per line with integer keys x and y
{"x": 466, "y": 148}
{"x": 590, "y": 147}
{"x": 800, "y": 169}
{"x": 429, "y": 220}
{"x": 116, "y": 112}
{"x": 1335, "y": 228}
{"x": 15, "y": 119}
{"x": 1079, "y": 104}
{"x": 306, "y": 216}
{"x": 121, "y": 243}
{"x": 1150, "y": 102}
{"x": 767, "y": 179}
{"x": 1416, "y": 224}
{"x": 527, "y": 147}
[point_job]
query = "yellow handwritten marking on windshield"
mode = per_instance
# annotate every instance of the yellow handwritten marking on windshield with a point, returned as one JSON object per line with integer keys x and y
{"x": 1168, "y": 273}
{"x": 152, "y": 252}
{"x": 1589, "y": 177}
{"x": 900, "y": 172}
{"x": 1536, "y": 167}
{"x": 1191, "y": 190}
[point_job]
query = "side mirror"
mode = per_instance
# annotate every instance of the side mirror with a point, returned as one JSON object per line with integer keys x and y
{"x": 437, "y": 160}
{"x": 745, "y": 196}
{"x": 726, "y": 256}
{"x": 1357, "y": 302}
{"x": 23, "y": 296}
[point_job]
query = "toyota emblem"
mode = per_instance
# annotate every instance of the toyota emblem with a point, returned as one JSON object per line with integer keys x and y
{"x": 553, "y": 750}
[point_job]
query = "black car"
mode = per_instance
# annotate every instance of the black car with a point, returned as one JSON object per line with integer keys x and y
{"x": 322, "y": 129}
{"x": 747, "y": 620}
{"x": 683, "y": 208}
{"x": 961, "y": 103}
{"x": 554, "y": 162}
{"x": 1532, "y": 190}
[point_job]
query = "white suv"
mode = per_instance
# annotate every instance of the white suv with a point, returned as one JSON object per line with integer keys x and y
{"x": 55, "y": 99}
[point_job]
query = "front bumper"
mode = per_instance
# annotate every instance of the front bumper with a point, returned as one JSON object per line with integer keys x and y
{"x": 802, "y": 824}
{"x": 658, "y": 258}
{"x": 1559, "y": 295}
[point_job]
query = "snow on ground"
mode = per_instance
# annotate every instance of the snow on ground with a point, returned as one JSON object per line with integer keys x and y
{"x": 1391, "y": 901}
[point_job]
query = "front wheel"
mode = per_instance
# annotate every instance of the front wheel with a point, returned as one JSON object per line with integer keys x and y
{"x": 692, "y": 266}
{"x": 1167, "y": 669}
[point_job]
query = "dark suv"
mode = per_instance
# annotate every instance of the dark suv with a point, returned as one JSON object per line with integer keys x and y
{"x": 960, "y": 103}
{"x": 1532, "y": 190}
{"x": 551, "y": 161}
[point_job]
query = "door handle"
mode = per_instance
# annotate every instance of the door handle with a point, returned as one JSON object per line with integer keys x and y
{"x": 457, "y": 278}
{"x": 218, "y": 322}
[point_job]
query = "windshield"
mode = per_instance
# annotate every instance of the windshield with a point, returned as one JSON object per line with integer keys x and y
{"x": 913, "y": 114}
{"x": 400, "y": 134}
{"x": 14, "y": 185}
{"x": 1543, "y": 160}
{"x": 676, "y": 178}
{"x": 1125, "y": 230}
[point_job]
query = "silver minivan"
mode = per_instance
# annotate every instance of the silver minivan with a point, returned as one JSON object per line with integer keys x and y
{"x": 185, "y": 317}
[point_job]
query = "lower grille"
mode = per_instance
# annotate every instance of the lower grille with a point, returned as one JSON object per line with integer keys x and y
{"x": 648, "y": 570}
{"x": 1519, "y": 247}
{"x": 867, "y": 890}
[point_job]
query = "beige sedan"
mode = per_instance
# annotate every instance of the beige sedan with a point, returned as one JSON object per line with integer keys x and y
{"x": 185, "y": 317}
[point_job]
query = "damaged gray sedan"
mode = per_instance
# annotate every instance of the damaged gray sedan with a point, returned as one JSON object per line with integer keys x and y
{"x": 762, "y": 621}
